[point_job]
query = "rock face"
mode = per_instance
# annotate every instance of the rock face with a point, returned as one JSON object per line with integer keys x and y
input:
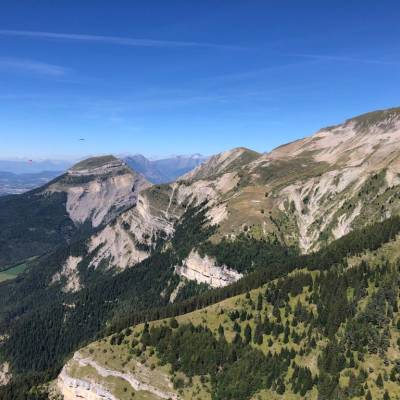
{"x": 89, "y": 195}
{"x": 5, "y": 373}
{"x": 308, "y": 192}
{"x": 304, "y": 194}
{"x": 70, "y": 273}
{"x": 205, "y": 270}
{"x": 131, "y": 237}
{"x": 340, "y": 178}
{"x": 223, "y": 162}
{"x": 94, "y": 389}
{"x": 75, "y": 389}
{"x": 99, "y": 189}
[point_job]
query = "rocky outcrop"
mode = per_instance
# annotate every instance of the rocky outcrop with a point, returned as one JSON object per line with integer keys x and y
{"x": 205, "y": 270}
{"x": 131, "y": 237}
{"x": 304, "y": 194}
{"x": 73, "y": 388}
{"x": 70, "y": 273}
{"x": 99, "y": 189}
{"x": 76, "y": 389}
{"x": 5, "y": 373}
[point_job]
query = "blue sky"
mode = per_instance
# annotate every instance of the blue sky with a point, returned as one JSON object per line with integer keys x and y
{"x": 178, "y": 77}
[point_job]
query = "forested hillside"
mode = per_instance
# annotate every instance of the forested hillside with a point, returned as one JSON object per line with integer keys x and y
{"x": 326, "y": 334}
{"x": 305, "y": 235}
{"x": 58, "y": 324}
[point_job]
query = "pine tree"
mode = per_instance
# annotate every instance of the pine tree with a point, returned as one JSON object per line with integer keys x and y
{"x": 247, "y": 334}
{"x": 236, "y": 327}
{"x": 386, "y": 395}
{"x": 221, "y": 331}
{"x": 393, "y": 375}
{"x": 173, "y": 323}
{"x": 280, "y": 387}
{"x": 368, "y": 396}
{"x": 259, "y": 302}
{"x": 258, "y": 335}
{"x": 379, "y": 381}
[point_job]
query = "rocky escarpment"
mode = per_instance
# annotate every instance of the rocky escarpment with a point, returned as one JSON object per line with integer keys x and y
{"x": 309, "y": 192}
{"x": 69, "y": 274}
{"x": 341, "y": 178}
{"x": 99, "y": 189}
{"x": 5, "y": 373}
{"x": 126, "y": 241}
{"x": 96, "y": 386}
{"x": 205, "y": 270}
{"x": 131, "y": 237}
{"x": 305, "y": 194}
{"x": 88, "y": 196}
{"x": 74, "y": 388}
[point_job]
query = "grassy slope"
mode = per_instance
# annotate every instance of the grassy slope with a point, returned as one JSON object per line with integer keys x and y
{"x": 93, "y": 162}
{"x": 12, "y": 272}
{"x": 123, "y": 358}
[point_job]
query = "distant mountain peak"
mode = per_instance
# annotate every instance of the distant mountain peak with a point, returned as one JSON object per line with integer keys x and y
{"x": 223, "y": 162}
{"x": 165, "y": 169}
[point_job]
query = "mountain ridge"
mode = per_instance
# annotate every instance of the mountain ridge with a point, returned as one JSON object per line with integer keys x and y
{"x": 73, "y": 204}
{"x": 238, "y": 221}
{"x": 293, "y": 195}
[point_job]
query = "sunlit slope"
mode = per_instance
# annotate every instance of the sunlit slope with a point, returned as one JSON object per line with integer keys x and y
{"x": 313, "y": 334}
{"x": 89, "y": 195}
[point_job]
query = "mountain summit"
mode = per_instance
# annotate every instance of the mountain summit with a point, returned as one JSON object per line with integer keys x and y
{"x": 89, "y": 194}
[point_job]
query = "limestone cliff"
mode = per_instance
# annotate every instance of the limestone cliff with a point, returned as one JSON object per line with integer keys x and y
{"x": 205, "y": 270}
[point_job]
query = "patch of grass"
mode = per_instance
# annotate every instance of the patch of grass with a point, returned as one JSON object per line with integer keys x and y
{"x": 93, "y": 162}
{"x": 12, "y": 272}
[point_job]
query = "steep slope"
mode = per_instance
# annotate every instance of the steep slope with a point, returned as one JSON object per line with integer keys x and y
{"x": 223, "y": 163}
{"x": 334, "y": 181}
{"x": 238, "y": 221}
{"x": 309, "y": 192}
{"x": 133, "y": 235}
{"x": 98, "y": 189}
{"x": 303, "y": 195}
{"x": 285, "y": 339}
{"x": 90, "y": 194}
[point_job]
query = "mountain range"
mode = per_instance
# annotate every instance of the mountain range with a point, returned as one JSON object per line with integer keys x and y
{"x": 187, "y": 281}
{"x": 165, "y": 169}
{"x": 17, "y": 177}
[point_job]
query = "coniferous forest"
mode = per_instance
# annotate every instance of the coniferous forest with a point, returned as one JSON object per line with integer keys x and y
{"x": 43, "y": 335}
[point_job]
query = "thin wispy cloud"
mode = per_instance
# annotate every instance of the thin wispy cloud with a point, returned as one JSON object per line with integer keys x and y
{"x": 113, "y": 40}
{"x": 328, "y": 57}
{"x": 254, "y": 73}
{"x": 31, "y": 66}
